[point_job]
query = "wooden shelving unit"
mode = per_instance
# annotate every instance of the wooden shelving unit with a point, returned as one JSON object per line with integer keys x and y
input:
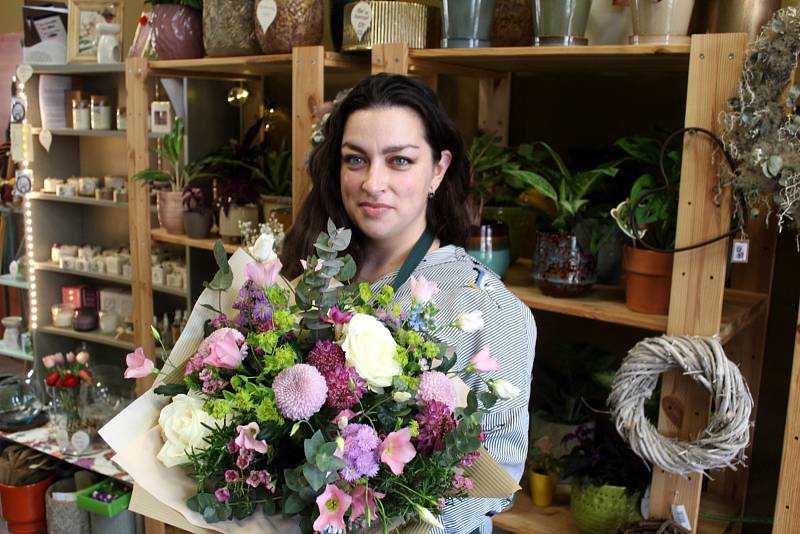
{"x": 160, "y": 235}
{"x": 95, "y": 336}
{"x": 105, "y": 277}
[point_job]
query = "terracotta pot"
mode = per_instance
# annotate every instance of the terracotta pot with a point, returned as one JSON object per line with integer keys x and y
{"x": 178, "y": 31}
{"x": 543, "y": 488}
{"x": 23, "y": 506}
{"x": 561, "y": 267}
{"x": 229, "y": 223}
{"x": 198, "y": 223}
{"x": 648, "y": 280}
{"x": 169, "y": 206}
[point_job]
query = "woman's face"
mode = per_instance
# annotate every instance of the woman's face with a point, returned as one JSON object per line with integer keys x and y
{"x": 387, "y": 172}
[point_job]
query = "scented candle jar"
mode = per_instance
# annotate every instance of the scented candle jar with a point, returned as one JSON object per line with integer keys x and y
{"x": 101, "y": 113}
{"x": 81, "y": 115}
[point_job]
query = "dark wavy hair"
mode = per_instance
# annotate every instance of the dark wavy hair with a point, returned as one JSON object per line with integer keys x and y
{"x": 446, "y": 214}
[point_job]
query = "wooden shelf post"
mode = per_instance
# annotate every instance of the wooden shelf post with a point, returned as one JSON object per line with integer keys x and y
{"x": 494, "y": 106}
{"x": 390, "y": 58}
{"x": 698, "y": 276}
{"x": 308, "y": 94}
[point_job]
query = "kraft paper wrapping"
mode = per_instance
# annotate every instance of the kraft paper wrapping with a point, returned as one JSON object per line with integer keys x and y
{"x": 160, "y": 492}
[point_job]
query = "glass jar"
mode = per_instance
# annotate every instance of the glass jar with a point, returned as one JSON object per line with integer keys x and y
{"x": 122, "y": 119}
{"x": 80, "y": 114}
{"x": 62, "y": 315}
{"x": 74, "y": 432}
{"x": 283, "y": 24}
{"x": 101, "y": 113}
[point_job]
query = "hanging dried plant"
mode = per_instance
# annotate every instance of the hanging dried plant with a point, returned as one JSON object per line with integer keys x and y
{"x": 761, "y": 129}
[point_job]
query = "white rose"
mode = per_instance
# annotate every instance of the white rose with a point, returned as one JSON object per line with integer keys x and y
{"x": 182, "y": 427}
{"x": 470, "y": 322}
{"x": 370, "y": 348}
{"x": 263, "y": 249}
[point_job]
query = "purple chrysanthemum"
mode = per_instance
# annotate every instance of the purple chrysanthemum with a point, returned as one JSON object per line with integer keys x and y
{"x": 469, "y": 459}
{"x": 345, "y": 388}
{"x": 360, "y": 452}
{"x": 435, "y": 422}
{"x": 435, "y": 386}
{"x": 326, "y": 356}
{"x": 300, "y": 391}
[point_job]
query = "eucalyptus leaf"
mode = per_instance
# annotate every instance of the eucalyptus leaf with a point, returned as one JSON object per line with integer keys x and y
{"x": 325, "y": 459}
{"x": 312, "y": 445}
{"x": 315, "y": 477}
{"x": 221, "y": 256}
{"x": 294, "y": 504}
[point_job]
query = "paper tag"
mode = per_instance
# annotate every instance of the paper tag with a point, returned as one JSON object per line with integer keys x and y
{"x": 80, "y": 441}
{"x": 361, "y": 18}
{"x": 17, "y": 142}
{"x": 265, "y": 13}
{"x": 740, "y": 253}
{"x": 24, "y": 73}
{"x": 46, "y": 139}
{"x": 679, "y": 516}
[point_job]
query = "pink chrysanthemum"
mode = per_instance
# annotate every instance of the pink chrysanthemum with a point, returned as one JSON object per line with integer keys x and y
{"x": 326, "y": 356}
{"x": 340, "y": 394}
{"x": 435, "y": 386}
{"x": 300, "y": 391}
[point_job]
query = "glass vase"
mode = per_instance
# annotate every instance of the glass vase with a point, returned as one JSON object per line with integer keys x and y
{"x": 74, "y": 432}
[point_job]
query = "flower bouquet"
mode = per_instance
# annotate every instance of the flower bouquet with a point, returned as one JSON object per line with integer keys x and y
{"x": 68, "y": 379}
{"x": 321, "y": 407}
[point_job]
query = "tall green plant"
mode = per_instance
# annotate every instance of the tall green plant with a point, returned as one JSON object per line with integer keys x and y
{"x": 177, "y": 175}
{"x": 279, "y": 170}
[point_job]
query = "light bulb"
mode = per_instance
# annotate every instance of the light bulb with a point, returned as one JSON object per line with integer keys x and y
{"x": 237, "y": 96}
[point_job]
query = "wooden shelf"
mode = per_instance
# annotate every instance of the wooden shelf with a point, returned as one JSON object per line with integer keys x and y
{"x": 115, "y": 278}
{"x": 525, "y": 518}
{"x": 249, "y": 66}
{"x": 88, "y": 201}
{"x": 15, "y": 353}
{"x": 616, "y": 58}
{"x": 607, "y": 303}
{"x": 95, "y": 336}
{"x": 78, "y": 69}
{"x": 13, "y": 281}
{"x": 162, "y": 236}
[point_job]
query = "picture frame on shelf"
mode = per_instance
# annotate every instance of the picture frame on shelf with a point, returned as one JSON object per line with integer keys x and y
{"x": 160, "y": 117}
{"x": 82, "y": 34}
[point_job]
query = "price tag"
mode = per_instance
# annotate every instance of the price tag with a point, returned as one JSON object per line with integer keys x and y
{"x": 265, "y": 13}
{"x": 46, "y": 139}
{"x": 24, "y": 73}
{"x": 740, "y": 253}
{"x": 80, "y": 441}
{"x": 361, "y": 18}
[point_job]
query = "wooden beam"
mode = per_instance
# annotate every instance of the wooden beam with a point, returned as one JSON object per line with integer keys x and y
{"x": 494, "y": 105}
{"x": 308, "y": 93}
{"x": 136, "y": 73}
{"x": 698, "y": 276}
{"x": 788, "y": 502}
{"x": 390, "y": 58}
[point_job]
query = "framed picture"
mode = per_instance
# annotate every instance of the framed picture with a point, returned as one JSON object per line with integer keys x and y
{"x": 82, "y": 34}
{"x": 160, "y": 117}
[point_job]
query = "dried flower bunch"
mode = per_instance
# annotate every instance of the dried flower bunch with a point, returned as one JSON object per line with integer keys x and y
{"x": 761, "y": 130}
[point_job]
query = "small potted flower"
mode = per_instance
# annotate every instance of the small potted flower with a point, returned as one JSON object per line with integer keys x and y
{"x": 543, "y": 471}
{"x": 68, "y": 380}
{"x": 197, "y": 216}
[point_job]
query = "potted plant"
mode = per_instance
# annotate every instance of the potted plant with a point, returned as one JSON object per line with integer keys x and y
{"x": 178, "y": 28}
{"x": 607, "y": 481}
{"x": 649, "y": 217}
{"x": 543, "y": 471}
{"x": 169, "y": 203}
{"x": 197, "y": 216}
{"x": 278, "y": 183}
{"x": 563, "y": 264}
{"x": 25, "y": 475}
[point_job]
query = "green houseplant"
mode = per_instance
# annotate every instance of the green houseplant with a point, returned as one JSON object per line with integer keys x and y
{"x": 278, "y": 184}
{"x": 176, "y": 176}
{"x": 562, "y": 266}
{"x": 178, "y": 28}
{"x": 649, "y": 217}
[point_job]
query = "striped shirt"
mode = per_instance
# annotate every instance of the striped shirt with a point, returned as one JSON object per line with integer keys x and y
{"x": 467, "y": 285}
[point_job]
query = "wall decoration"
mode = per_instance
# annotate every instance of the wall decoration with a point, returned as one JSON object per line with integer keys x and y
{"x": 83, "y": 33}
{"x": 722, "y": 443}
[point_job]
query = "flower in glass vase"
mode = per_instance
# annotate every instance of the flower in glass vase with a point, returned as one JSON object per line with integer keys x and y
{"x": 68, "y": 379}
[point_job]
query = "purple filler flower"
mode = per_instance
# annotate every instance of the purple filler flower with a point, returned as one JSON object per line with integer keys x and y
{"x": 360, "y": 452}
{"x": 326, "y": 356}
{"x": 345, "y": 388}
{"x": 435, "y": 422}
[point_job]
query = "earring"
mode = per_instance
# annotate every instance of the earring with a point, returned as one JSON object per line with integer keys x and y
{"x": 430, "y": 195}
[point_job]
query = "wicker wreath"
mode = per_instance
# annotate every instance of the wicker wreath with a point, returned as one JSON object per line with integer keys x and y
{"x": 722, "y": 443}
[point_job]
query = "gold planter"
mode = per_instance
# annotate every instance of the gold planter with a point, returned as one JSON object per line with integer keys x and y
{"x": 385, "y": 22}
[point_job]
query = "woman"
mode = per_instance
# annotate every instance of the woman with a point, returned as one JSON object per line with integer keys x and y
{"x": 392, "y": 167}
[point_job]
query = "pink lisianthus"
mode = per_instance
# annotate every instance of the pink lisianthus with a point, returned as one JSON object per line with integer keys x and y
{"x": 247, "y": 438}
{"x": 422, "y": 290}
{"x": 483, "y": 361}
{"x": 343, "y": 417}
{"x": 225, "y": 352}
{"x": 333, "y": 503}
{"x": 263, "y": 274}
{"x": 396, "y": 450}
{"x": 360, "y": 495}
{"x": 337, "y": 316}
{"x": 138, "y": 364}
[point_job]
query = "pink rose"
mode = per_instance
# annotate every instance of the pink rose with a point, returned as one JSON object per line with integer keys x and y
{"x": 224, "y": 353}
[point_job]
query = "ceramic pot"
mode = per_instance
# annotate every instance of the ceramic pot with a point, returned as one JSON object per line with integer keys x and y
{"x": 198, "y": 223}
{"x": 560, "y": 22}
{"x": 228, "y": 28}
{"x": 543, "y": 488}
{"x": 512, "y": 26}
{"x": 561, "y": 267}
{"x": 661, "y": 21}
{"x": 488, "y": 243}
{"x": 11, "y": 325}
{"x": 229, "y": 223}
{"x": 178, "y": 32}
{"x": 748, "y": 16}
{"x": 520, "y": 223}
{"x": 283, "y": 24}
{"x": 603, "y": 509}
{"x": 466, "y": 23}
{"x": 169, "y": 206}
{"x": 648, "y": 280}
{"x": 23, "y": 507}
